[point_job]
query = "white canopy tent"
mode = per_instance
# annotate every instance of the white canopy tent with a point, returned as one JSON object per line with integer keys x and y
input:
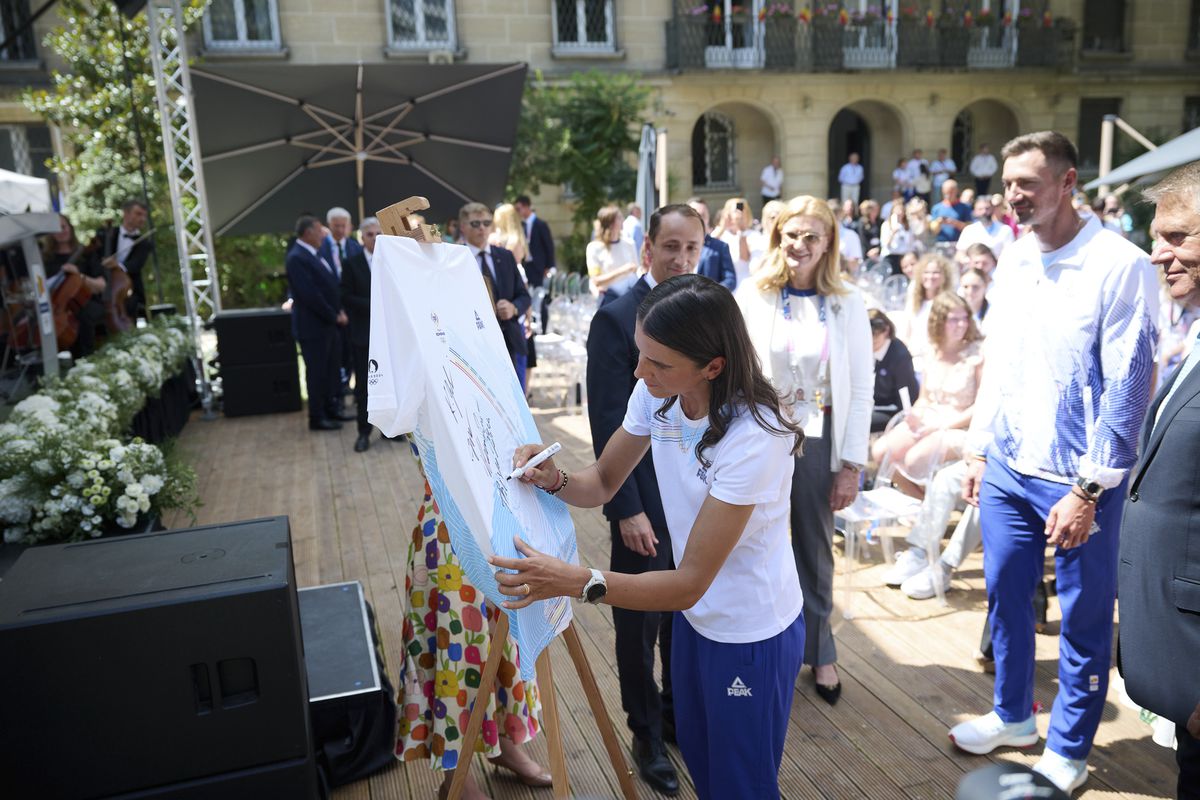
{"x": 26, "y": 213}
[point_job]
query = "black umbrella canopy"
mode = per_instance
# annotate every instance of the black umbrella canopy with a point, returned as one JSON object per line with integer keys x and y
{"x": 279, "y": 140}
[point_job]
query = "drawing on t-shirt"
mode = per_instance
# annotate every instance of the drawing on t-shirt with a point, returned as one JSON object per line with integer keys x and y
{"x": 444, "y": 375}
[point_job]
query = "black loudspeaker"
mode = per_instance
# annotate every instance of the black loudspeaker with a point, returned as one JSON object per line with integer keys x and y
{"x": 350, "y": 699}
{"x": 164, "y": 665}
{"x": 260, "y": 389}
{"x": 254, "y": 336}
{"x": 257, "y": 357}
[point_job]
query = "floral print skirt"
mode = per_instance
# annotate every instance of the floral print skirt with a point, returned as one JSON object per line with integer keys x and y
{"x": 446, "y": 632}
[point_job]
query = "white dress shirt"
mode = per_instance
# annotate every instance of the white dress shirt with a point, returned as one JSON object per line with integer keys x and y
{"x": 984, "y": 165}
{"x": 772, "y": 181}
{"x": 320, "y": 257}
{"x": 850, "y": 174}
{"x": 475, "y": 251}
{"x": 997, "y": 236}
{"x": 125, "y": 240}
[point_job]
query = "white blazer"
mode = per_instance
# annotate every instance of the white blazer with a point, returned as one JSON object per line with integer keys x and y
{"x": 851, "y": 362}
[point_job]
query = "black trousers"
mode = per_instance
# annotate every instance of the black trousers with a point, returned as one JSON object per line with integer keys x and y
{"x": 1187, "y": 756}
{"x": 983, "y": 187}
{"x": 360, "y": 388}
{"x": 637, "y": 633}
{"x": 346, "y": 360}
{"x": 322, "y": 358}
{"x": 91, "y": 315}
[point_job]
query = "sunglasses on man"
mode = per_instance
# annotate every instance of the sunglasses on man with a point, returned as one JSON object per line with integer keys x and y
{"x": 480, "y": 223}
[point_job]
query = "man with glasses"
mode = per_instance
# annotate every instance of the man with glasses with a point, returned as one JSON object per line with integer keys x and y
{"x": 504, "y": 282}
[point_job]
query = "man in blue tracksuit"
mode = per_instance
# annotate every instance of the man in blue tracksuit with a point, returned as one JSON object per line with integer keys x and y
{"x": 1066, "y": 383}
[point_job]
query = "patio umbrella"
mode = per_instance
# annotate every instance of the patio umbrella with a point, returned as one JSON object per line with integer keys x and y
{"x": 280, "y": 140}
{"x": 1175, "y": 153}
{"x": 647, "y": 192}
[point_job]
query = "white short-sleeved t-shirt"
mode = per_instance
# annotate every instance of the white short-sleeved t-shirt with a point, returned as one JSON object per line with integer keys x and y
{"x": 756, "y": 592}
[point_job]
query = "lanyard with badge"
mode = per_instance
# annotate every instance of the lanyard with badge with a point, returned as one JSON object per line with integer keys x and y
{"x": 808, "y": 409}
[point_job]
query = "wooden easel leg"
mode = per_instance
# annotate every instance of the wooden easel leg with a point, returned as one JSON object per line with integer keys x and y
{"x": 552, "y": 727}
{"x": 483, "y": 697}
{"x": 596, "y": 701}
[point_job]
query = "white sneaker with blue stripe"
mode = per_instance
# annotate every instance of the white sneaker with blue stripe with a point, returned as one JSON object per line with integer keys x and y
{"x": 984, "y": 734}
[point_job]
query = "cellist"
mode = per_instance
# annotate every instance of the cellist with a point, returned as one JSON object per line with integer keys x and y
{"x": 63, "y": 255}
{"x": 127, "y": 247}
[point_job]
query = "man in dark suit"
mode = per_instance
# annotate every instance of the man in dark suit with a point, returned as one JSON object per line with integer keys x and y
{"x": 716, "y": 262}
{"x": 356, "y": 299}
{"x": 317, "y": 316}
{"x": 123, "y": 247}
{"x": 1159, "y": 572}
{"x": 640, "y": 540}
{"x": 336, "y": 248}
{"x": 504, "y": 282}
{"x": 541, "y": 244}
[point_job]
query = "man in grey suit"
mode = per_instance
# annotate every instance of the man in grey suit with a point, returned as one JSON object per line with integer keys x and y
{"x": 1159, "y": 573}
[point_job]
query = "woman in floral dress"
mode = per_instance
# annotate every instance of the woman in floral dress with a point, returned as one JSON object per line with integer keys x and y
{"x": 446, "y": 631}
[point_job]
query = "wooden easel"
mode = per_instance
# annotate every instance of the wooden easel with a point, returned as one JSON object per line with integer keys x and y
{"x": 396, "y": 220}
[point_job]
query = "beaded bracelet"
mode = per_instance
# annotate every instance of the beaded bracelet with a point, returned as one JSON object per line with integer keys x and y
{"x": 562, "y": 484}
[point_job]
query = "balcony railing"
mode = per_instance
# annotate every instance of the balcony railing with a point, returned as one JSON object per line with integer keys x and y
{"x": 785, "y": 43}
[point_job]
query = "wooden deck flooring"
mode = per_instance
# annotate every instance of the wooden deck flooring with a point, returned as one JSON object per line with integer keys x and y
{"x": 906, "y": 666}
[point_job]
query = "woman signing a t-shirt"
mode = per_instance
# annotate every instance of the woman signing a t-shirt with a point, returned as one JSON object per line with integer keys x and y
{"x": 723, "y": 453}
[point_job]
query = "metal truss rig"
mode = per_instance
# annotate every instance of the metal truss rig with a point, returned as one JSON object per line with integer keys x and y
{"x": 185, "y": 177}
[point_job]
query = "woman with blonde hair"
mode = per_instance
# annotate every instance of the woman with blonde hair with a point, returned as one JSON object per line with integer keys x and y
{"x": 810, "y": 330}
{"x": 935, "y": 429}
{"x": 770, "y": 213}
{"x": 508, "y": 232}
{"x": 611, "y": 260}
{"x": 917, "y": 211}
{"x": 934, "y": 274}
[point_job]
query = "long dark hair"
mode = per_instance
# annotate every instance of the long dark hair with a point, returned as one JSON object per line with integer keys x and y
{"x": 699, "y": 319}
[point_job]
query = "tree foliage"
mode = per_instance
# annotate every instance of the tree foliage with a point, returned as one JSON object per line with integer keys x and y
{"x": 582, "y": 135}
{"x": 90, "y": 101}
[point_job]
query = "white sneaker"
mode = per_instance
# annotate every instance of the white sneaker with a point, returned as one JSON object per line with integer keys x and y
{"x": 908, "y": 563}
{"x": 984, "y": 734}
{"x": 924, "y": 584}
{"x": 1066, "y": 773}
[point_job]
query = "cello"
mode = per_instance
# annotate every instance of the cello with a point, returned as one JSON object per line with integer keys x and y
{"x": 66, "y": 299}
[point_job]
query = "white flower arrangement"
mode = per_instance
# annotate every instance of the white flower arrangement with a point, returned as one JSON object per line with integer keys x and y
{"x": 65, "y": 474}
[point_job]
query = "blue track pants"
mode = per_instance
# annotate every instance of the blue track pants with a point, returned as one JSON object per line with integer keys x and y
{"x": 1013, "y": 509}
{"x": 732, "y": 703}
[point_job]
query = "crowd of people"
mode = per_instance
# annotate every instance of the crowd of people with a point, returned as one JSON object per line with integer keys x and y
{"x": 1014, "y": 375}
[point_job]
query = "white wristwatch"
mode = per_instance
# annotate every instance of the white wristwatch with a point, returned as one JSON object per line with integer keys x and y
{"x": 595, "y": 589}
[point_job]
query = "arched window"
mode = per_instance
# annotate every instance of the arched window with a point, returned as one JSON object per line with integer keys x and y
{"x": 712, "y": 152}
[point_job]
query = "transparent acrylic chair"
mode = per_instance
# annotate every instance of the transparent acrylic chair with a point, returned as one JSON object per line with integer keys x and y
{"x": 881, "y": 512}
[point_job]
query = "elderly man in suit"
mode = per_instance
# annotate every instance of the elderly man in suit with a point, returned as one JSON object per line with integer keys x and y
{"x": 503, "y": 280}
{"x": 640, "y": 540}
{"x": 336, "y": 248}
{"x": 356, "y": 299}
{"x": 317, "y": 316}
{"x": 1159, "y": 572}
{"x": 716, "y": 262}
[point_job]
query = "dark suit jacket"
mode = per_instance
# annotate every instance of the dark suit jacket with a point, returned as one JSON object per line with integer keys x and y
{"x": 356, "y": 297}
{"x": 315, "y": 295}
{"x": 509, "y": 286}
{"x": 1159, "y": 571}
{"x": 353, "y": 248}
{"x": 541, "y": 252}
{"x": 612, "y": 358}
{"x": 139, "y": 254}
{"x": 716, "y": 263}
